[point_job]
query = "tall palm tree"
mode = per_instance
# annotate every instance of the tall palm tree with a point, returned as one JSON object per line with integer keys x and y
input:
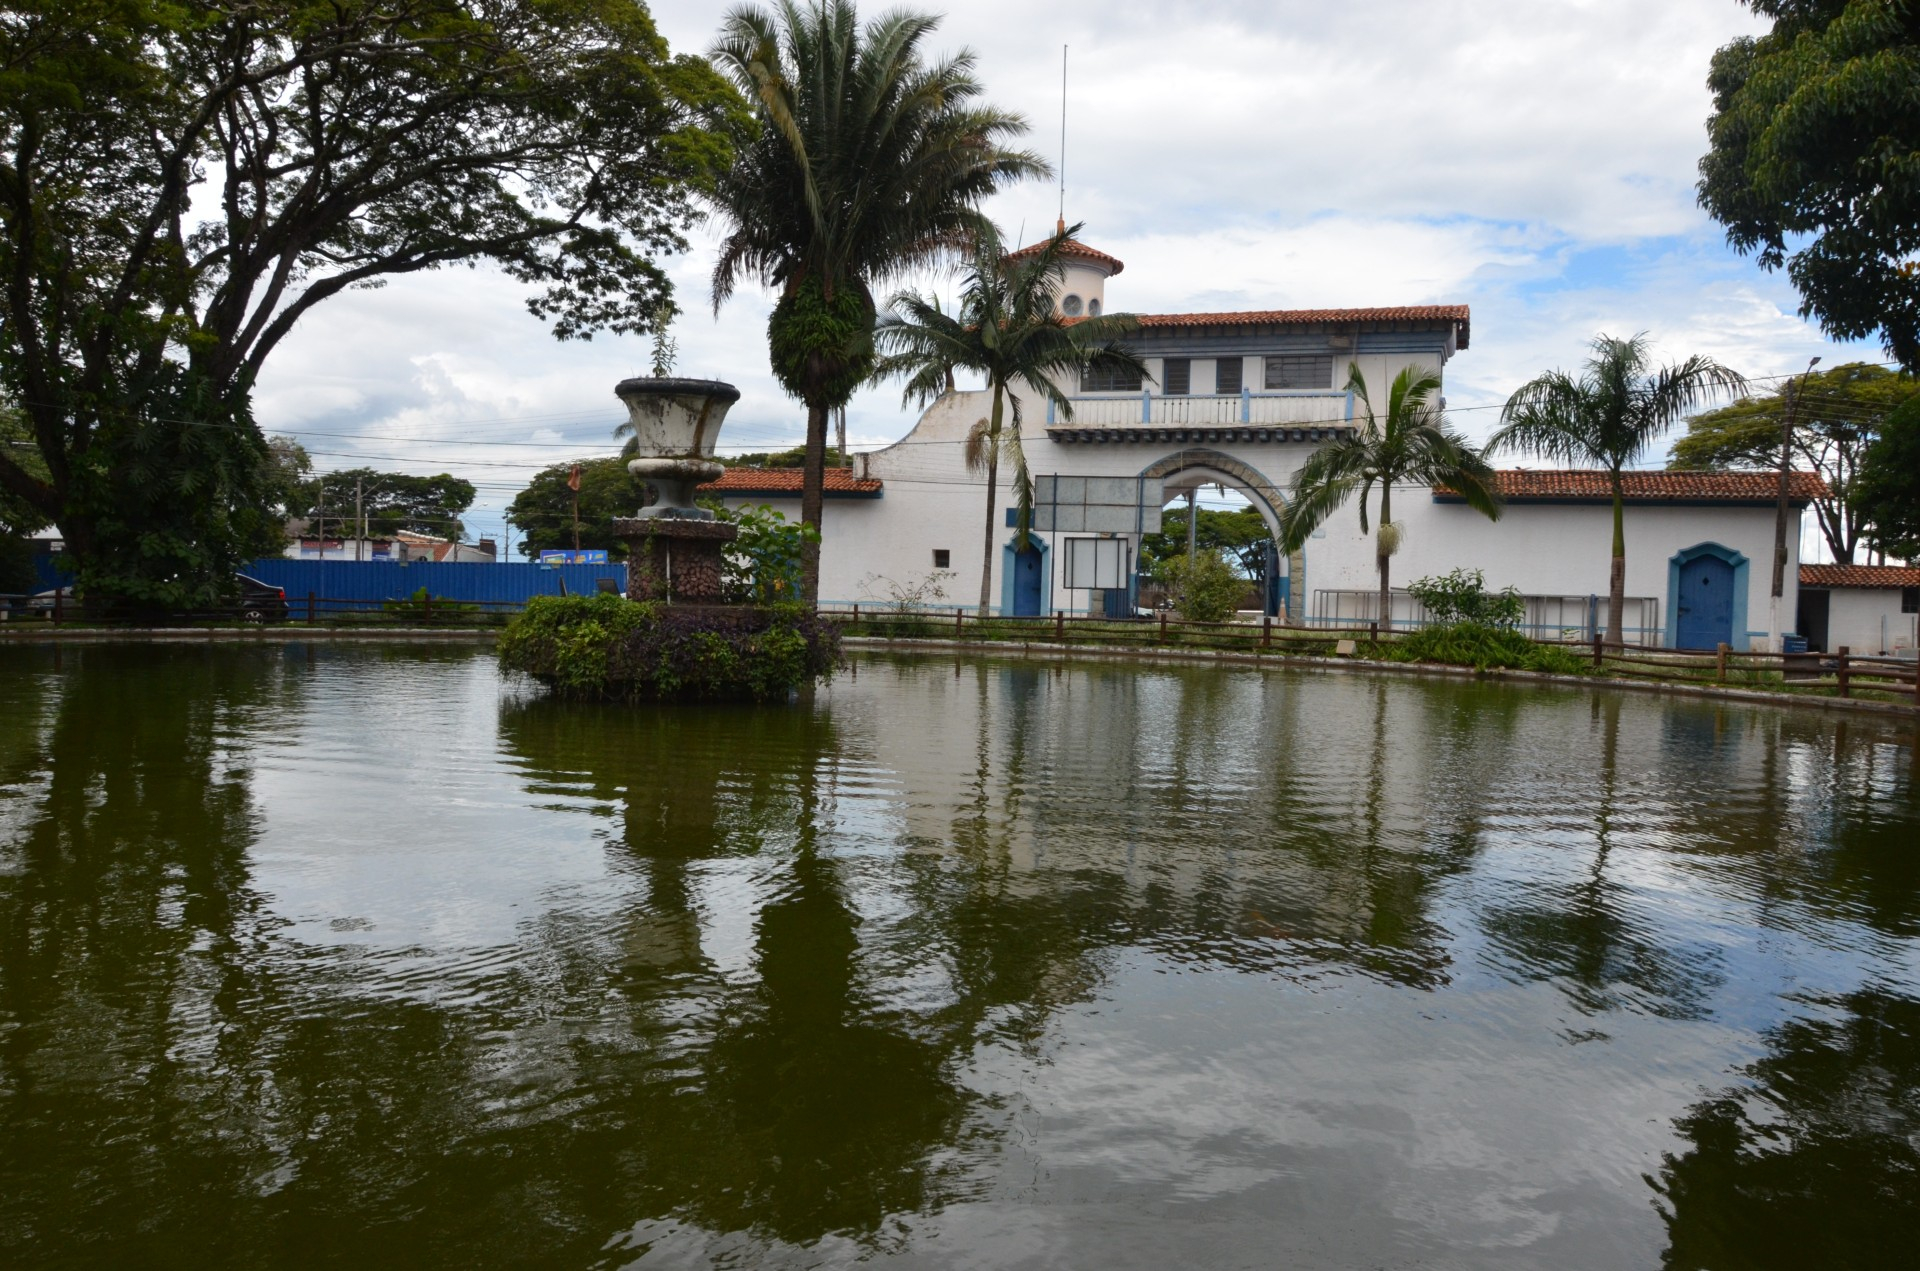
{"x": 863, "y": 161}
{"x": 1007, "y": 327}
{"x": 1411, "y": 443}
{"x": 1607, "y": 418}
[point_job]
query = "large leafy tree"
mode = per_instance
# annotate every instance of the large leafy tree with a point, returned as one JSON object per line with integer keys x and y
{"x": 389, "y": 501}
{"x": 1410, "y": 443}
{"x": 1813, "y": 133}
{"x": 868, "y": 161}
{"x": 181, "y": 184}
{"x": 1241, "y": 532}
{"x": 544, "y": 510}
{"x": 1888, "y": 491}
{"x": 1608, "y": 417}
{"x": 1008, "y": 328}
{"x": 1836, "y": 416}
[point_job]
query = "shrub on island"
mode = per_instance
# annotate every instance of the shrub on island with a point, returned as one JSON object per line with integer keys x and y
{"x": 1484, "y": 647}
{"x": 609, "y": 648}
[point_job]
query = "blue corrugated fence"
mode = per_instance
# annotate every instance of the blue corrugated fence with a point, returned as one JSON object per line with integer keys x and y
{"x": 390, "y": 580}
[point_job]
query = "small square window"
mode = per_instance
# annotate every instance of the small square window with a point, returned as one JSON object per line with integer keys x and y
{"x": 1176, "y": 376}
{"x": 1226, "y": 375}
{"x": 1910, "y": 600}
{"x": 941, "y": 557}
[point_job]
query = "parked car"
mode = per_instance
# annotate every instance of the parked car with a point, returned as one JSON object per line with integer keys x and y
{"x": 261, "y": 602}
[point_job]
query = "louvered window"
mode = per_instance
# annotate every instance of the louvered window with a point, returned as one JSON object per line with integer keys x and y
{"x": 1910, "y": 600}
{"x": 1176, "y": 377}
{"x": 1226, "y": 375}
{"x": 1105, "y": 375}
{"x": 1300, "y": 370}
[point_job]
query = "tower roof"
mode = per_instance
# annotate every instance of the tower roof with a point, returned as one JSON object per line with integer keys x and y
{"x": 1074, "y": 250}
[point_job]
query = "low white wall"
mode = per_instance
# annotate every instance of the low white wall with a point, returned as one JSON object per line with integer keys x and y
{"x": 1556, "y": 549}
{"x": 1868, "y": 620}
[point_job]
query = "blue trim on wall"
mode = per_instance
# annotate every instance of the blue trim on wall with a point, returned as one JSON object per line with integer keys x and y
{"x": 1740, "y": 584}
{"x": 1006, "y": 572}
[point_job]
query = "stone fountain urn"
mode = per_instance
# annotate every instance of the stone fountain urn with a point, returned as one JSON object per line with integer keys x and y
{"x": 673, "y": 547}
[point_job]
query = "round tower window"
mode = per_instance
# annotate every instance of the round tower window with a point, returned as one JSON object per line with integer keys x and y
{"x": 1070, "y": 306}
{"x": 1093, "y": 308}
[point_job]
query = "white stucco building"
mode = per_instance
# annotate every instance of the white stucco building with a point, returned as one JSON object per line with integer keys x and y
{"x": 1240, "y": 400}
{"x": 1865, "y": 608}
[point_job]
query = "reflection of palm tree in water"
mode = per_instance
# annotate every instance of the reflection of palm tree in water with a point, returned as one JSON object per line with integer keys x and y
{"x": 793, "y": 1105}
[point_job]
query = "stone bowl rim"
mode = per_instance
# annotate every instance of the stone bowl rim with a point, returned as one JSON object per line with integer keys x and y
{"x": 671, "y": 386}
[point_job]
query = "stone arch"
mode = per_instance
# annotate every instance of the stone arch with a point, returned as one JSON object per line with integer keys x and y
{"x": 1264, "y": 494}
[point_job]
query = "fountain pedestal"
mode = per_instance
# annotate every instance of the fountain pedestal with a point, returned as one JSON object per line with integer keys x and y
{"x": 674, "y": 548}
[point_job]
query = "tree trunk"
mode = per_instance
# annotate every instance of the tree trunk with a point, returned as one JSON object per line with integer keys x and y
{"x": 993, "y": 488}
{"x": 1617, "y": 576}
{"x": 813, "y": 480}
{"x": 1381, "y": 558}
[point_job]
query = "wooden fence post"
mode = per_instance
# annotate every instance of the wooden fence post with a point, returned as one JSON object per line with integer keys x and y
{"x": 1598, "y": 651}
{"x": 959, "y": 616}
{"x": 1840, "y": 672}
{"x": 429, "y": 607}
{"x": 1720, "y": 662}
{"x": 57, "y": 591}
{"x": 856, "y": 613}
{"x": 1163, "y": 626}
{"x": 1060, "y": 625}
{"x": 309, "y": 608}
{"x": 1266, "y": 631}
{"x": 1373, "y": 631}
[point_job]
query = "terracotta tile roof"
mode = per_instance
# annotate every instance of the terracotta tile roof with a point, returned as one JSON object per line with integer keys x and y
{"x": 786, "y": 481}
{"x": 1859, "y": 576}
{"x": 1074, "y": 251}
{"x": 1561, "y": 485}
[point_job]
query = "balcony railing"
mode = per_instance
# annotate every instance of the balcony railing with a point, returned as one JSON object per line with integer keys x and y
{"x": 1308, "y": 409}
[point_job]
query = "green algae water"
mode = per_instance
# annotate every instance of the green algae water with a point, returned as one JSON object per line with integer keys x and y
{"x": 317, "y": 956}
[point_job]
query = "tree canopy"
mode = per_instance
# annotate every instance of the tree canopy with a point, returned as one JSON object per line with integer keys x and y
{"x": 1812, "y": 137}
{"x": 1241, "y": 533}
{"x": 1888, "y": 491}
{"x": 391, "y": 501}
{"x": 1836, "y": 415}
{"x": 544, "y": 510}
{"x": 181, "y": 184}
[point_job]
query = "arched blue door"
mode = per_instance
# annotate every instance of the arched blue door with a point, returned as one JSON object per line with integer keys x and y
{"x": 1705, "y": 614}
{"x": 1027, "y": 601}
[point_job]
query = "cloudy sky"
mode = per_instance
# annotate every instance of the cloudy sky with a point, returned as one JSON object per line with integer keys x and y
{"x": 1531, "y": 158}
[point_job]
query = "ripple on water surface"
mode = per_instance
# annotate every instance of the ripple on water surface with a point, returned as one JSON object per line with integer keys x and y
{"x": 314, "y": 955}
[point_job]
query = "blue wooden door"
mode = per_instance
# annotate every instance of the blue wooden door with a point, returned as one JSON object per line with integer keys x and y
{"x": 1705, "y": 617}
{"x": 1026, "y": 582}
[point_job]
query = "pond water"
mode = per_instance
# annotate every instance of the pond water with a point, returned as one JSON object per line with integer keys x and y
{"x": 318, "y": 955}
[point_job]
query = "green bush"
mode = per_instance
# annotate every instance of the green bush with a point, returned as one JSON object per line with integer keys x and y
{"x": 609, "y": 648}
{"x": 1462, "y": 596}
{"x": 1486, "y": 647}
{"x": 1207, "y": 590}
{"x": 422, "y": 606}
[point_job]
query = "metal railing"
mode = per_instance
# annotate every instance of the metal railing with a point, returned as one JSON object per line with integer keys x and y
{"x": 1310, "y": 409}
{"x": 1553, "y": 618}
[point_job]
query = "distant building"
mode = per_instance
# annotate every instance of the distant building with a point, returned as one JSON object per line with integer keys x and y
{"x": 1867, "y": 608}
{"x": 405, "y": 546}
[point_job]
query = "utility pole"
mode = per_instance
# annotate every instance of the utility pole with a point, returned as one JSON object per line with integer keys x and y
{"x": 359, "y": 516}
{"x": 1775, "y": 632}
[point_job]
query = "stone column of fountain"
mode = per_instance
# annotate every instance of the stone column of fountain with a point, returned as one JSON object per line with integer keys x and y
{"x": 673, "y": 547}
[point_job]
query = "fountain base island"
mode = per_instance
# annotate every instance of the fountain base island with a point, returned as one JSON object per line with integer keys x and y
{"x": 674, "y": 634}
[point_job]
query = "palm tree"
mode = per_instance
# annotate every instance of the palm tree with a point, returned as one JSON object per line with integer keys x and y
{"x": 1607, "y": 418}
{"x": 864, "y": 161}
{"x": 1007, "y": 327}
{"x": 1412, "y": 443}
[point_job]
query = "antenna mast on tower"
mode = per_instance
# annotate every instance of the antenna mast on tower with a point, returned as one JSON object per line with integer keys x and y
{"x": 1063, "y": 140}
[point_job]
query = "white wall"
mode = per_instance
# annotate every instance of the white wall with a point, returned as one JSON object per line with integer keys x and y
{"x": 1556, "y": 549}
{"x": 1868, "y": 620}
